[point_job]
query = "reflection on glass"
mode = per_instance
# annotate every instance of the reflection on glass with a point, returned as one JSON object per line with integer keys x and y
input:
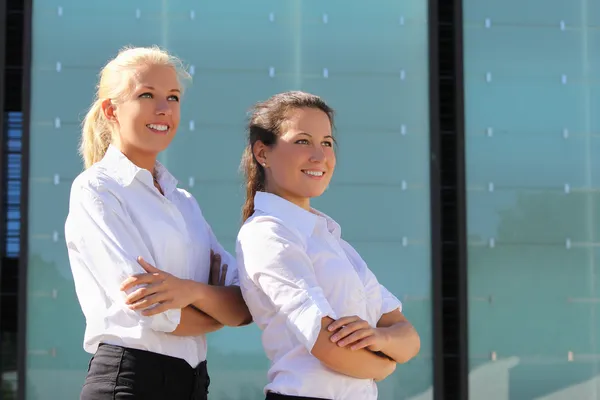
{"x": 369, "y": 62}
{"x": 533, "y": 199}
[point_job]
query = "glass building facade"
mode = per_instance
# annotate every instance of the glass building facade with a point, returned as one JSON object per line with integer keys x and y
{"x": 467, "y": 174}
{"x": 532, "y": 95}
{"x": 369, "y": 62}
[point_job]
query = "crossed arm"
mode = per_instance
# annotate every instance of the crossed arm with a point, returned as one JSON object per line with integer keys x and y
{"x": 102, "y": 239}
{"x": 210, "y": 306}
{"x": 394, "y": 337}
{"x": 274, "y": 260}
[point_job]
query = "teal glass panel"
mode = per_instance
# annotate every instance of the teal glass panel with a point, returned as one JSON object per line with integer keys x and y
{"x": 369, "y": 61}
{"x": 532, "y": 87}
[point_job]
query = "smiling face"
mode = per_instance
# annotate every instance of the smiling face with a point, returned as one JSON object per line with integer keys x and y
{"x": 148, "y": 117}
{"x": 300, "y": 164}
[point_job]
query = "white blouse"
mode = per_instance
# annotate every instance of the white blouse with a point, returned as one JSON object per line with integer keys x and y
{"x": 115, "y": 215}
{"x": 295, "y": 269}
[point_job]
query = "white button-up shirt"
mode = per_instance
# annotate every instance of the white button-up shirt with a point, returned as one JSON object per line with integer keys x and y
{"x": 115, "y": 215}
{"x": 295, "y": 269}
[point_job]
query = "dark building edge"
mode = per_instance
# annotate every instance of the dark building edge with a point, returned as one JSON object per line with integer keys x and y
{"x": 24, "y": 249}
{"x": 3, "y": 38}
{"x": 448, "y": 201}
{"x": 435, "y": 202}
{"x": 461, "y": 204}
{"x": 3, "y": 28}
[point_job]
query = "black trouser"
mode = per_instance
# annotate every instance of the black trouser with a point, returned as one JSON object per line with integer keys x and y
{"x": 121, "y": 373}
{"x": 277, "y": 396}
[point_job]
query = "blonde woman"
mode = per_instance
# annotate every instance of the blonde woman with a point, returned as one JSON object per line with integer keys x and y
{"x": 146, "y": 327}
{"x": 329, "y": 327}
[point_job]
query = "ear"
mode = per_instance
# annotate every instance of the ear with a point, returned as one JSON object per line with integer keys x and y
{"x": 109, "y": 110}
{"x": 260, "y": 151}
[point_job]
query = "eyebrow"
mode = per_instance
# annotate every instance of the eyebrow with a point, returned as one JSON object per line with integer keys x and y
{"x": 309, "y": 135}
{"x": 172, "y": 90}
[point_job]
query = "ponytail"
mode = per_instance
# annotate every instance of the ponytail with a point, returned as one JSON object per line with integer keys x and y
{"x": 95, "y": 135}
{"x": 255, "y": 178}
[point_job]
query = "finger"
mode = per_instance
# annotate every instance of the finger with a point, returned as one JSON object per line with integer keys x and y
{"x": 349, "y": 329}
{"x": 355, "y": 337}
{"x": 148, "y": 301}
{"x": 214, "y": 272}
{"x": 140, "y": 279}
{"x": 217, "y": 260}
{"x": 142, "y": 292}
{"x": 158, "y": 309}
{"x": 223, "y": 275}
{"x": 366, "y": 342}
{"x": 335, "y": 325}
{"x": 148, "y": 267}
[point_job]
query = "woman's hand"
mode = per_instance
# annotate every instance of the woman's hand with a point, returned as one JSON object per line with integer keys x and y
{"x": 217, "y": 273}
{"x": 163, "y": 290}
{"x": 357, "y": 334}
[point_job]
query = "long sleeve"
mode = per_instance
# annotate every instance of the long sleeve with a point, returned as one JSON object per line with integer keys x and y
{"x": 104, "y": 243}
{"x": 273, "y": 259}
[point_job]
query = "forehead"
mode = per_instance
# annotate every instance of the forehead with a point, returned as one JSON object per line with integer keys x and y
{"x": 309, "y": 120}
{"x": 157, "y": 76}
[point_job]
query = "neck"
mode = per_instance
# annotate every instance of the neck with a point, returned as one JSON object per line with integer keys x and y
{"x": 138, "y": 157}
{"x": 302, "y": 202}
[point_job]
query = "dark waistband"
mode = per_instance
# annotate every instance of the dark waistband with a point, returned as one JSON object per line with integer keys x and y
{"x": 173, "y": 364}
{"x": 277, "y": 396}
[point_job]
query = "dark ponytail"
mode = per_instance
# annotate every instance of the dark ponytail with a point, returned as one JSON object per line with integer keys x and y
{"x": 266, "y": 121}
{"x": 254, "y": 173}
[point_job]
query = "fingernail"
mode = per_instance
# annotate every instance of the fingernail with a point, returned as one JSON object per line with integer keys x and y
{"x": 334, "y": 338}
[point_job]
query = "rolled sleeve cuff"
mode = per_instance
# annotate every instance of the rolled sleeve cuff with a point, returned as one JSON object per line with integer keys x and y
{"x": 166, "y": 321}
{"x": 305, "y": 320}
{"x": 389, "y": 302}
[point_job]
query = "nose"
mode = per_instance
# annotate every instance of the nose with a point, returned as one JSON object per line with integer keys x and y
{"x": 318, "y": 155}
{"x": 162, "y": 108}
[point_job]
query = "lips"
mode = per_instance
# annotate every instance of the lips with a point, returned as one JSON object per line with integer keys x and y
{"x": 313, "y": 173}
{"x": 159, "y": 128}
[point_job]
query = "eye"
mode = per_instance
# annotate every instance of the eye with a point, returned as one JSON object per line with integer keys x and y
{"x": 174, "y": 98}
{"x": 146, "y": 95}
{"x": 328, "y": 143}
{"x": 302, "y": 141}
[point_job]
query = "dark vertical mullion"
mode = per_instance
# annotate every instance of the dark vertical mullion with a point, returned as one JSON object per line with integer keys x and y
{"x": 449, "y": 202}
{"x": 435, "y": 202}
{"x": 461, "y": 203}
{"x": 23, "y": 259}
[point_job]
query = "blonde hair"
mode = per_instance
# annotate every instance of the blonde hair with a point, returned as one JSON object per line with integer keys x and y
{"x": 116, "y": 81}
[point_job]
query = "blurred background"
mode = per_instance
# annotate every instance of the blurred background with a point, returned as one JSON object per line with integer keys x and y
{"x": 467, "y": 174}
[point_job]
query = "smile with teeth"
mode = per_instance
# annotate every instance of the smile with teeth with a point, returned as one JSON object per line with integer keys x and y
{"x": 158, "y": 127}
{"x": 313, "y": 173}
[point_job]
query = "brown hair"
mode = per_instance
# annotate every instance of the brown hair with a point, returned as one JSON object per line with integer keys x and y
{"x": 266, "y": 122}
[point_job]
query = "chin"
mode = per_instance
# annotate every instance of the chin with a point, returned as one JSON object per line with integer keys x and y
{"x": 158, "y": 147}
{"x": 314, "y": 193}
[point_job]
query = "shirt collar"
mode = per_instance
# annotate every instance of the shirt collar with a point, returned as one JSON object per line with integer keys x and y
{"x": 301, "y": 219}
{"x": 125, "y": 171}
